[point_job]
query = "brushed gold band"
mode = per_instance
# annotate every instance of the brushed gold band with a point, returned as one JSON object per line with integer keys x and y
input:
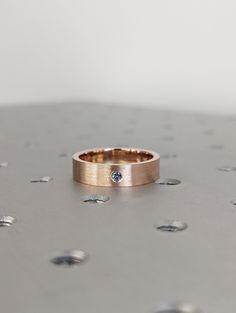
{"x": 116, "y": 167}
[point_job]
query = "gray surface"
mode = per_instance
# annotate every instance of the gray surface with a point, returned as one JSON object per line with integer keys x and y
{"x": 132, "y": 267}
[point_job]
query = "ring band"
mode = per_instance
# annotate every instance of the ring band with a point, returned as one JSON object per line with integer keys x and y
{"x": 116, "y": 167}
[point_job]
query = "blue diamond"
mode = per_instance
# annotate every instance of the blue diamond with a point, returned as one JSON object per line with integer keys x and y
{"x": 116, "y": 177}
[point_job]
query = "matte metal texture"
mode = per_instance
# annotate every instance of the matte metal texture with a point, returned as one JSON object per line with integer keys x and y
{"x": 116, "y": 167}
{"x": 132, "y": 267}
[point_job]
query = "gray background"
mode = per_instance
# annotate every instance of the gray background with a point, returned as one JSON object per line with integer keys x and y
{"x": 177, "y": 54}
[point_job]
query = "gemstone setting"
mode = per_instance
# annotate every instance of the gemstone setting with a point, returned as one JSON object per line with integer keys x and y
{"x": 116, "y": 177}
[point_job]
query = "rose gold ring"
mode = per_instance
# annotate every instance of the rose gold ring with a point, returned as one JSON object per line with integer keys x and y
{"x": 116, "y": 167}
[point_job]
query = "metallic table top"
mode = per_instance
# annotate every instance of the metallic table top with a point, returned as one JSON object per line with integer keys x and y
{"x": 132, "y": 265}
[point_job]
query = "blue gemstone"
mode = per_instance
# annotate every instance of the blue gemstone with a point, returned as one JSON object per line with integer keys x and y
{"x": 116, "y": 177}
